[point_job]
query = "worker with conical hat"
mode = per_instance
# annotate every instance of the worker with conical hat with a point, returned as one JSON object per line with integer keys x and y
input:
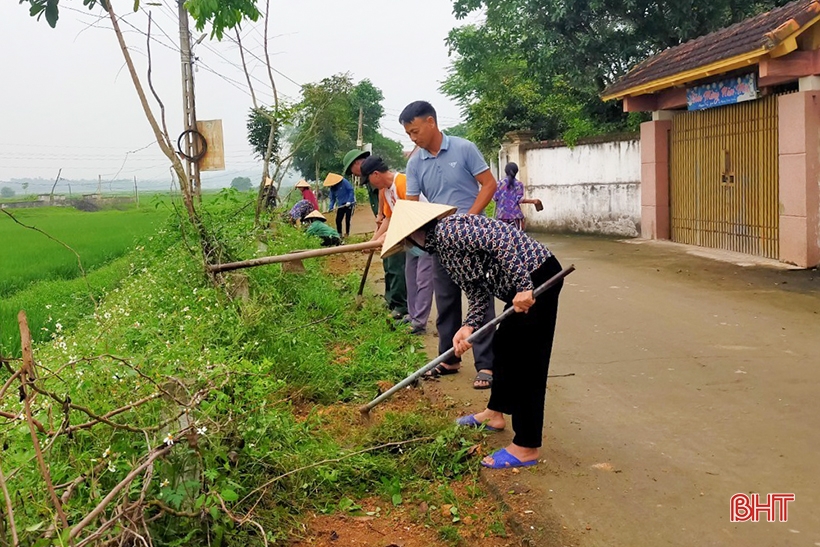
{"x": 300, "y": 210}
{"x": 488, "y": 258}
{"x": 343, "y": 198}
{"x": 304, "y": 187}
{"x": 317, "y": 226}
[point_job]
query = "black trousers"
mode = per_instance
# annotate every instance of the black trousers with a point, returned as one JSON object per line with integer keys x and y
{"x": 522, "y": 347}
{"x": 449, "y": 318}
{"x": 343, "y": 213}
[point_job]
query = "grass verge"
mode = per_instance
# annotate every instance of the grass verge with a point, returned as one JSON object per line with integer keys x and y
{"x": 251, "y": 403}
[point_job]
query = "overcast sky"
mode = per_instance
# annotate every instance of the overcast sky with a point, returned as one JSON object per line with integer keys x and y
{"x": 66, "y": 100}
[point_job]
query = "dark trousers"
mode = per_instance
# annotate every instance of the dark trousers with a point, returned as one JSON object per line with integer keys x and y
{"x": 523, "y": 344}
{"x": 395, "y": 284}
{"x": 450, "y": 318}
{"x": 330, "y": 241}
{"x": 343, "y": 213}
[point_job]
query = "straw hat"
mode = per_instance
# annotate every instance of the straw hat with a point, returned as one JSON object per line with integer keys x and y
{"x": 317, "y": 215}
{"x": 268, "y": 181}
{"x": 409, "y": 216}
{"x": 333, "y": 179}
{"x": 302, "y": 184}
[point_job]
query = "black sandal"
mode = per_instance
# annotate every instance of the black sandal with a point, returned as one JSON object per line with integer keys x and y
{"x": 440, "y": 370}
{"x": 483, "y": 377}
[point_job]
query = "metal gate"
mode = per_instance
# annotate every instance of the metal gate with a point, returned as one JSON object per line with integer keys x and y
{"x": 724, "y": 178}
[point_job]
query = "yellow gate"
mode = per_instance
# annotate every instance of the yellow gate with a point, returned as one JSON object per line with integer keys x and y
{"x": 724, "y": 178}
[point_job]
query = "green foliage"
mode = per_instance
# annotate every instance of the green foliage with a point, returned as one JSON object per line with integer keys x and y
{"x": 541, "y": 65}
{"x": 241, "y": 184}
{"x": 221, "y": 15}
{"x": 327, "y": 125}
{"x": 265, "y": 365}
{"x": 6, "y": 192}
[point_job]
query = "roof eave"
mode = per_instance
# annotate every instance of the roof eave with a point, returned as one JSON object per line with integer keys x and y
{"x": 724, "y": 65}
{"x": 781, "y": 41}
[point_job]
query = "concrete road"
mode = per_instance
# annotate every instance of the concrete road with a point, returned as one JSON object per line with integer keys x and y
{"x": 694, "y": 380}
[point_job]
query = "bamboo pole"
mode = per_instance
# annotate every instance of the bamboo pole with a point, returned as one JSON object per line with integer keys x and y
{"x": 291, "y": 257}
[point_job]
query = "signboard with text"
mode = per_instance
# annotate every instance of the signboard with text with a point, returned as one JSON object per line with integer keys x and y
{"x": 730, "y": 91}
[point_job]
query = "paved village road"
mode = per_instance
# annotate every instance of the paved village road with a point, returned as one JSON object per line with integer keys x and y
{"x": 693, "y": 380}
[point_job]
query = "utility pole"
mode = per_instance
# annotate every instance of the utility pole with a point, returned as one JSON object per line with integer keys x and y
{"x": 360, "y": 136}
{"x": 190, "y": 142}
{"x": 136, "y": 192}
{"x": 99, "y": 187}
{"x": 51, "y": 196}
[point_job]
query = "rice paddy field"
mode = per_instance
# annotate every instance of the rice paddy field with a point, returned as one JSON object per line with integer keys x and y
{"x": 43, "y": 277}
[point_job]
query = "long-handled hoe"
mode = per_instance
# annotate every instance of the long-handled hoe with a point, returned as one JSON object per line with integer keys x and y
{"x": 365, "y": 409}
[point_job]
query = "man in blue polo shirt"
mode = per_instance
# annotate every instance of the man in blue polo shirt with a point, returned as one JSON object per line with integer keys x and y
{"x": 450, "y": 171}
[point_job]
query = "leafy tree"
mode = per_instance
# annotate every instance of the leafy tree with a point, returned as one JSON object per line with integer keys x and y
{"x": 392, "y": 151}
{"x": 327, "y": 121}
{"x": 259, "y": 124}
{"x": 542, "y": 64}
{"x": 459, "y": 130}
{"x": 243, "y": 184}
{"x": 222, "y": 15}
{"x": 6, "y": 192}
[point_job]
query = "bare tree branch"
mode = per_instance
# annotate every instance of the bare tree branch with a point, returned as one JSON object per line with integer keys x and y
{"x": 9, "y": 510}
{"x": 245, "y": 68}
{"x": 151, "y": 86}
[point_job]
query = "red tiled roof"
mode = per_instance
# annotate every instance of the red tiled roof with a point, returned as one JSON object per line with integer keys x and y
{"x": 766, "y": 30}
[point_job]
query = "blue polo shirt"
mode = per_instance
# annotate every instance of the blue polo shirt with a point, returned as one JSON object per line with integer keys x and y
{"x": 449, "y": 177}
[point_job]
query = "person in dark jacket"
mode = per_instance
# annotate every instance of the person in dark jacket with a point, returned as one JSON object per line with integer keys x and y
{"x": 342, "y": 198}
{"x": 487, "y": 258}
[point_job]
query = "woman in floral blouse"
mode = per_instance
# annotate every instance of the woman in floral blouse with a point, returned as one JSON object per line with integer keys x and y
{"x": 509, "y": 196}
{"x": 488, "y": 258}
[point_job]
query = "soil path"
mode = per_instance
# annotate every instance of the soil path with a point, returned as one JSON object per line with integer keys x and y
{"x": 677, "y": 382}
{"x": 693, "y": 380}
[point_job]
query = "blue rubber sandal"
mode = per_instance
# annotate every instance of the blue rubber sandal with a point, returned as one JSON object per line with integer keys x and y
{"x": 472, "y": 421}
{"x": 504, "y": 460}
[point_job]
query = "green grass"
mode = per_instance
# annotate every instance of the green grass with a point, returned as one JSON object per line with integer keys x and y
{"x": 298, "y": 340}
{"x": 28, "y": 256}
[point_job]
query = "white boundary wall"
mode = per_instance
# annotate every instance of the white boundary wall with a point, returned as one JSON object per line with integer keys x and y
{"x": 594, "y": 187}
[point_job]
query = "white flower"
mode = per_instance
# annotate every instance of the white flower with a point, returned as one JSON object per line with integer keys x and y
{"x": 48, "y": 306}
{"x": 164, "y": 483}
{"x": 107, "y": 315}
{"x": 201, "y": 430}
{"x": 58, "y": 326}
{"x": 107, "y": 452}
{"x": 169, "y": 440}
{"x": 111, "y": 467}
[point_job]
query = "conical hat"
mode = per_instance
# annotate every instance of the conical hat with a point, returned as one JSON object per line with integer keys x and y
{"x": 268, "y": 181}
{"x": 317, "y": 215}
{"x": 409, "y": 216}
{"x": 333, "y": 179}
{"x": 302, "y": 184}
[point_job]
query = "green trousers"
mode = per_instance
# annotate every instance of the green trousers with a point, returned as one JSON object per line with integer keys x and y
{"x": 395, "y": 287}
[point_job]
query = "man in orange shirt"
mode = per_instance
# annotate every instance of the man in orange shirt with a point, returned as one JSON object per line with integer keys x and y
{"x": 418, "y": 271}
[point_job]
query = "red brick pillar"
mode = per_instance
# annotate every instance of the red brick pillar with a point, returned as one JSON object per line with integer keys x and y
{"x": 799, "y": 149}
{"x": 655, "y": 179}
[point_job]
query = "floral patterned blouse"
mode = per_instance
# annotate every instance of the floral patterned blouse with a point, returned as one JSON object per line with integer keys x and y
{"x": 507, "y": 200}
{"x": 302, "y": 209}
{"x": 485, "y": 257}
